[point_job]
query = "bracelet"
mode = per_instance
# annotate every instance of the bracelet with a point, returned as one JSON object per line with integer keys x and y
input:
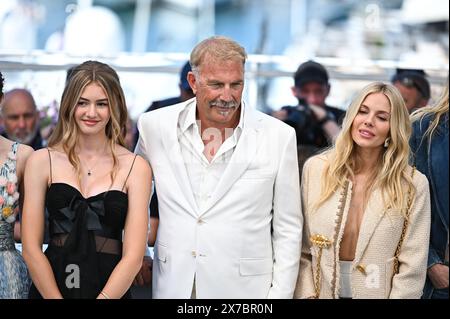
{"x": 104, "y": 294}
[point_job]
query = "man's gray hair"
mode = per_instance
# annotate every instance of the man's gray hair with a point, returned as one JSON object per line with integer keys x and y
{"x": 219, "y": 48}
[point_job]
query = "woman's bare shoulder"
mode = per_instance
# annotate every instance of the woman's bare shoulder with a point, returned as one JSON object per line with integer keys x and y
{"x": 140, "y": 175}
{"x": 124, "y": 156}
{"x": 23, "y": 154}
{"x": 139, "y": 167}
{"x": 24, "y": 151}
{"x": 122, "y": 151}
{"x": 39, "y": 157}
{"x": 142, "y": 162}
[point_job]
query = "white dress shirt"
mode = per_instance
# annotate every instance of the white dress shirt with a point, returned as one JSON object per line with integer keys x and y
{"x": 204, "y": 175}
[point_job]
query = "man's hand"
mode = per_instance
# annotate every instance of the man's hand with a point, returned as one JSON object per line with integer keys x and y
{"x": 319, "y": 112}
{"x": 438, "y": 274}
{"x": 144, "y": 276}
{"x": 281, "y": 114}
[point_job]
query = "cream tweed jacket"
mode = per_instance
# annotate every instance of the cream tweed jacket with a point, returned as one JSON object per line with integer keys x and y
{"x": 372, "y": 269}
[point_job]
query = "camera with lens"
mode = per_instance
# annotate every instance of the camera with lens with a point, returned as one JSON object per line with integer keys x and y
{"x": 302, "y": 119}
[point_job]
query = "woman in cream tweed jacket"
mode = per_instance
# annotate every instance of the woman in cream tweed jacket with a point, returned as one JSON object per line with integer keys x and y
{"x": 369, "y": 160}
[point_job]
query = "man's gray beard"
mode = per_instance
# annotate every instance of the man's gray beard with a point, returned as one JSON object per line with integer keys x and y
{"x": 27, "y": 139}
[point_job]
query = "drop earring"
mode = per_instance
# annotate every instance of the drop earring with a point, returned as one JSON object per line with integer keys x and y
{"x": 387, "y": 141}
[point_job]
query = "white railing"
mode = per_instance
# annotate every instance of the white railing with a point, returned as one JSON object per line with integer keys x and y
{"x": 158, "y": 74}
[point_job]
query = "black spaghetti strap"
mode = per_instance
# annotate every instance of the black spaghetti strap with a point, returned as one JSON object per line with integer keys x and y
{"x": 134, "y": 159}
{"x": 50, "y": 158}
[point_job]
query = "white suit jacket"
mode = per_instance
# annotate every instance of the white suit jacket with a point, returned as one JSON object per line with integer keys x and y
{"x": 246, "y": 241}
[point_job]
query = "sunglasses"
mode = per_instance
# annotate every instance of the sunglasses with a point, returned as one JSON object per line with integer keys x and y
{"x": 410, "y": 83}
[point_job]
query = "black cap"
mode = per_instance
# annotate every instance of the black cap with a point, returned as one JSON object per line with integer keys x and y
{"x": 183, "y": 77}
{"x": 413, "y": 78}
{"x": 310, "y": 71}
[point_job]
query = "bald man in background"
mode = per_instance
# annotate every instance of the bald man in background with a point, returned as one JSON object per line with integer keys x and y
{"x": 20, "y": 118}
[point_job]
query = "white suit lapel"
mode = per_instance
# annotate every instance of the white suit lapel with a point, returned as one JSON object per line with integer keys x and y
{"x": 243, "y": 155}
{"x": 171, "y": 144}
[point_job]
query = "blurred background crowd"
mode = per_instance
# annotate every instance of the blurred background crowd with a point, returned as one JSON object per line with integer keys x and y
{"x": 148, "y": 41}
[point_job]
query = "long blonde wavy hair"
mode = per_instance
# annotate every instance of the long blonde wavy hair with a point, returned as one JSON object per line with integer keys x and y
{"x": 391, "y": 173}
{"x": 436, "y": 111}
{"x": 66, "y": 131}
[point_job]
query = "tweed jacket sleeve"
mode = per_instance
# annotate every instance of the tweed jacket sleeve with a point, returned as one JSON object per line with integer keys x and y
{"x": 409, "y": 282}
{"x": 305, "y": 284}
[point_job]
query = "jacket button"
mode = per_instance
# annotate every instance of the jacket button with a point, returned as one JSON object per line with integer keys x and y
{"x": 361, "y": 268}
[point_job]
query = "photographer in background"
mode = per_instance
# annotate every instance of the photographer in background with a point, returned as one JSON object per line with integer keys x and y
{"x": 315, "y": 123}
{"x": 413, "y": 86}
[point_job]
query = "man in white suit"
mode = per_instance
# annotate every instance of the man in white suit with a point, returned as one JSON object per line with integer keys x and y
{"x": 228, "y": 188}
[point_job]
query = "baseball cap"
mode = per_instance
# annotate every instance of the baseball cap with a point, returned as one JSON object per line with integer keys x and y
{"x": 183, "y": 77}
{"x": 413, "y": 78}
{"x": 310, "y": 71}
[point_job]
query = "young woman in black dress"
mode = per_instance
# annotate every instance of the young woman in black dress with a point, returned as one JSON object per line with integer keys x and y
{"x": 96, "y": 193}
